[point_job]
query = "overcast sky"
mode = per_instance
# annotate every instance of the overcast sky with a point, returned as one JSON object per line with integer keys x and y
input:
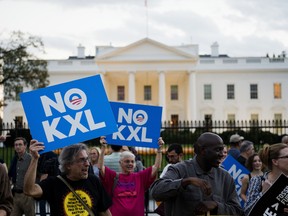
{"x": 241, "y": 27}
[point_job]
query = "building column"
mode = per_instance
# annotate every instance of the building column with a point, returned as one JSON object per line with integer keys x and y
{"x": 102, "y": 76}
{"x": 162, "y": 94}
{"x": 192, "y": 100}
{"x": 131, "y": 87}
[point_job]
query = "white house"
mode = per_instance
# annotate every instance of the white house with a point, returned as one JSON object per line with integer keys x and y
{"x": 187, "y": 85}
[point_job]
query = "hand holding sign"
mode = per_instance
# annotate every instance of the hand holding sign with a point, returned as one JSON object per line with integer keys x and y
{"x": 160, "y": 144}
{"x": 138, "y": 125}
{"x": 103, "y": 141}
{"x": 35, "y": 147}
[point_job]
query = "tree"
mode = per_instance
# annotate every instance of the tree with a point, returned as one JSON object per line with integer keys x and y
{"x": 21, "y": 68}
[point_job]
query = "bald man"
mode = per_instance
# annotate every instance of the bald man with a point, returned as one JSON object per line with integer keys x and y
{"x": 199, "y": 186}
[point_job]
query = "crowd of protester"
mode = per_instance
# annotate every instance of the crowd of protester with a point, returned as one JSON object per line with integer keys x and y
{"x": 112, "y": 180}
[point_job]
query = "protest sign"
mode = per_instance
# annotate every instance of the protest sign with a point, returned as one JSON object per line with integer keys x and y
{"x": 68, "y": 113}
{"x": 274, "y": 200}
{"x": 237, "y": 171}
{"x": 138, "y": 125}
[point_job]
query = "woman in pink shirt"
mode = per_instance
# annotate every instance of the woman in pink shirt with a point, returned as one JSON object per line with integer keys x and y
{"x": 127, "y": 188}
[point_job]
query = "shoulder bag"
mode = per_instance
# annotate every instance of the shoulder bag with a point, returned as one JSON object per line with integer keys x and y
{"x": 76, "y": 195}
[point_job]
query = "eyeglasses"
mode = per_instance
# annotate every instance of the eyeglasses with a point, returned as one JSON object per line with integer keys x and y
{"x": 286, "y": 156}
{"x": 82, "y": 160}
{"x": 172, "y": 156}
{"x": 129, "y": 161}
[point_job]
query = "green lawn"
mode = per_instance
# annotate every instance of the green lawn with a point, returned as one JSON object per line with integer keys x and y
{"x": 6, "y": 154}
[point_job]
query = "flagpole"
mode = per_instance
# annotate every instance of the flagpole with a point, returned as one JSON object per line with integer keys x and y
{"x": 147, "y": 29}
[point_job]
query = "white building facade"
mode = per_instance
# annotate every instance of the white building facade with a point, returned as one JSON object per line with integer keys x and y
{"x": 187, "y": 85}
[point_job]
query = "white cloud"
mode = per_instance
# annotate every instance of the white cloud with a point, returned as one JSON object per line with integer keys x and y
{"x": 242, "y": 28}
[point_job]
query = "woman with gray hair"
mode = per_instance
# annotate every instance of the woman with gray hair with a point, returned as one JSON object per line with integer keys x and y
{"x": 74, "y": 166}
{"x": 127, "y": 188}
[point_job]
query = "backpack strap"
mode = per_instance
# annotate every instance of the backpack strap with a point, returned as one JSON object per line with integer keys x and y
{"x": 77, "y": 196}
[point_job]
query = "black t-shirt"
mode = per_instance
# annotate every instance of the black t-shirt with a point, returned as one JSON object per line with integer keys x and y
{"x": 63, "y": 202}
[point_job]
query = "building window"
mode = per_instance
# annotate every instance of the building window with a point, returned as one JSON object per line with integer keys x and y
{"x": 278, "y": 123}
{"x": 174, "y": 120}
{"x": 120, "y": 93}
{"x": 231, "y": 120}
{"x": 277, "y": 91}
{"x": 230, "y": 92}
{"x": 254, "y": 119}
{"x": 208, "y": 122}
{"x": 207, "y": 92}
{"x": 18, "y": 121}
{"x": 18, "y": 91}
{"x": 147, "y": 92}
{"x": 208, "y": 117}
{"x": 278, "y": 117}
{"x": 174, "y": 92}
{"x": 253, "y": 91}
{"x": 231, "y": 117}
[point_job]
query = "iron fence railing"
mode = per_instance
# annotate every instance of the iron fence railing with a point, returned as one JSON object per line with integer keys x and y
{"x": 182, "y": 132}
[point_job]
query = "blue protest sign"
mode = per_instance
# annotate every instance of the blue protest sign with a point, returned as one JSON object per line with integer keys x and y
{"x": 69, "y": 113}
{"x": 237, "y": 171}
{"x": 138, "y": 125}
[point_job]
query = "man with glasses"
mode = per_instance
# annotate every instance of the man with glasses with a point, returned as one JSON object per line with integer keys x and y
{"x": 173, "y": 156}
{"x": 74, "y": 167}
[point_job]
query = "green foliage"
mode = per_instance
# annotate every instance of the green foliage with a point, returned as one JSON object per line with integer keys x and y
{"x": 174, "y": 135}
{"x": 21, "y": 67}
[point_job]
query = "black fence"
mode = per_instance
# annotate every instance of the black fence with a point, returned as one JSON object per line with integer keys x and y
{"x": 259, "y": 132}
{"x": 183, "y": 132}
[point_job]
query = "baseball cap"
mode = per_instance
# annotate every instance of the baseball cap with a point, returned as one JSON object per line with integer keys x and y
{"x": 236, "y": 138}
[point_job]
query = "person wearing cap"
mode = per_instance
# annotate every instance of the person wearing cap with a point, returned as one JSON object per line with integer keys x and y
{"x": 235, "y": 141}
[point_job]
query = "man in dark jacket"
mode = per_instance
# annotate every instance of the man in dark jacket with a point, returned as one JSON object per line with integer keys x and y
{"x": 199, "y": 186}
